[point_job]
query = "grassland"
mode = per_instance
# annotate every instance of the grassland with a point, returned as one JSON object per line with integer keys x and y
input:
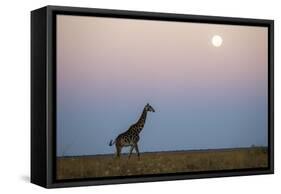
{"x": 160, "y": 162}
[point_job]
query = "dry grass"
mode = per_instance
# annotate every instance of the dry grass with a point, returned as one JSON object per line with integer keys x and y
{"x": 160, "y": 162}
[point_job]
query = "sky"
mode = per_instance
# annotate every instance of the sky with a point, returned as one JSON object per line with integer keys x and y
{"x": 205, "y": 97}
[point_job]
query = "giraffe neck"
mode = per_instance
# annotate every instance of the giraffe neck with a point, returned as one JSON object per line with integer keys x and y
{"x": 140, "y": 123}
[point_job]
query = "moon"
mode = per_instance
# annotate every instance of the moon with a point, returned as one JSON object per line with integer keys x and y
{"x": 217, "y": 41}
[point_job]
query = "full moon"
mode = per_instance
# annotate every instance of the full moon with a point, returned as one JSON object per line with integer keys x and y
{"x": 217, "y": 41}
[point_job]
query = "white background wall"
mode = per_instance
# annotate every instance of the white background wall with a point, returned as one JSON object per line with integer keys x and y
{"x": 15, "y": 94}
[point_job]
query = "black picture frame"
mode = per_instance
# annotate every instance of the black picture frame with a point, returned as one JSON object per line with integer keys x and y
{"x": 43, "y": 94}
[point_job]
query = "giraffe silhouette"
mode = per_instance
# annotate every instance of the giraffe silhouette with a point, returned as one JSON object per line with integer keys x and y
{"x": 131, "y": 136}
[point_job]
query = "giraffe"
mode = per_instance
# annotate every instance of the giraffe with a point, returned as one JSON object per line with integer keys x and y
{"x": 131, "y": 136}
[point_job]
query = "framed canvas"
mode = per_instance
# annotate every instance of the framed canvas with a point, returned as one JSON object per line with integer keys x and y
{"x": 126, "y": 96}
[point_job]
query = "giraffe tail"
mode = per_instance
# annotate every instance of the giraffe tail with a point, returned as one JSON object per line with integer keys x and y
{"x": 111, "y": 142}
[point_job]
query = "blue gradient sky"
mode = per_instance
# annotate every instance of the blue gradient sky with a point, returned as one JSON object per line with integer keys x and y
{"x": 205, "y": 97}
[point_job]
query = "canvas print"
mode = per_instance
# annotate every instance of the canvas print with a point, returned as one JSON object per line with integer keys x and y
{"x": 144, "y": 97}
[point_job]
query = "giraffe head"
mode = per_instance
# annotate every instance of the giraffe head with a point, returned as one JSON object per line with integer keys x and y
{"x": 149, "y": 108}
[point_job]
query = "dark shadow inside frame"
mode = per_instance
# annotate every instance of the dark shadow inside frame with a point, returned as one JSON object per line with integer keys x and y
{"x": 43, "y": 34}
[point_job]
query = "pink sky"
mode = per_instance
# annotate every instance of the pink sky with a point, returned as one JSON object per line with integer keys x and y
{"x": 123, "y": 50}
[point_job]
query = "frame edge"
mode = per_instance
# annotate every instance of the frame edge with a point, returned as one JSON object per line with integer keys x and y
{"x": 38, "y": 97}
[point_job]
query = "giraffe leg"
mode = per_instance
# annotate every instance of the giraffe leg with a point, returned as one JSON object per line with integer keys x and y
{"x": 131, "y": 150}
{"x": 137, "y": 150}
{"x": 118, "y": 151}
